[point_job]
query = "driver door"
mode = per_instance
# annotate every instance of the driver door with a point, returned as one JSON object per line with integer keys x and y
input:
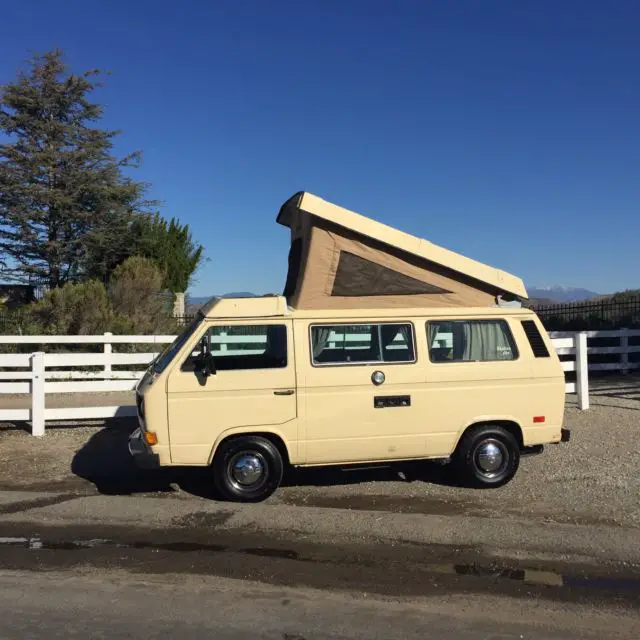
{"x": 252, "y": 387}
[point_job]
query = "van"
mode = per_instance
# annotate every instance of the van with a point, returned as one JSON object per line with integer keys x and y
{"x": 347, "y": 374}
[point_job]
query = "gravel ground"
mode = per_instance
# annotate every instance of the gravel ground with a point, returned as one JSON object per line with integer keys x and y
{"x": 594, "y": 479}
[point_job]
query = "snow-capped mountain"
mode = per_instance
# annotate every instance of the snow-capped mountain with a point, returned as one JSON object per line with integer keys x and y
{"x": 561, "y": 293}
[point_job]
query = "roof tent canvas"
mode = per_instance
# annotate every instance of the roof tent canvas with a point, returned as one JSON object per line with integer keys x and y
{"x": 341, "y": 260}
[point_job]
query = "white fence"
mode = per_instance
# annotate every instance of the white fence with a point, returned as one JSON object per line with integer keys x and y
{"x": 41, "y": 373}
{"x": 622, "y": 350}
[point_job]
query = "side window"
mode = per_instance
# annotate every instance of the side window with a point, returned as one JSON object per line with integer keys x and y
{"x": 243, "y": 347}
{"x": 535, "y": 339}
{"x": 470, "y": 341}
{"x": 362, "y": 343}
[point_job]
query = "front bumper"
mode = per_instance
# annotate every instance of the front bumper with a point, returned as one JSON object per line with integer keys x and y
{"x": 141, "y": 451}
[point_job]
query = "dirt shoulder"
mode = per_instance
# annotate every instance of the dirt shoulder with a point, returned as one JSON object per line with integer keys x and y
{"x": 592, "y": 480}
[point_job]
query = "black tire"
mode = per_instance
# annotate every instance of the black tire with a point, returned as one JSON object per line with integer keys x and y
{"x": 468, "y": 459}
{"x": 246, "y": 456}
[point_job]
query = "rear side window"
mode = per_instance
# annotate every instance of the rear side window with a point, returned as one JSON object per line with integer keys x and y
{"x": 244, "y": 347}
{"x": 470, "y": 341}
{"x": 362, "y": 343}
{"x": 536, "y": 341}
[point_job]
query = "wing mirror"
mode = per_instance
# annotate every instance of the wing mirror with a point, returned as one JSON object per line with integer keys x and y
{"x": 205, "y": 364}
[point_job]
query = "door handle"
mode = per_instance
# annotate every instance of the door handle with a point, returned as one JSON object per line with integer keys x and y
{"x": 283, "y": 392}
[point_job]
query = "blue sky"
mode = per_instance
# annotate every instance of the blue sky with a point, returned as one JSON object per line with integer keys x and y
{"x": 506, "y": 130}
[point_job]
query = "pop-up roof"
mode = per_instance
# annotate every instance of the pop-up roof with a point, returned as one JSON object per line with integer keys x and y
{"x": 342, "y": 260}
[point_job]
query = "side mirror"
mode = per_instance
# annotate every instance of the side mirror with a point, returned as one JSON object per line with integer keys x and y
{"x": 205, "y": 364}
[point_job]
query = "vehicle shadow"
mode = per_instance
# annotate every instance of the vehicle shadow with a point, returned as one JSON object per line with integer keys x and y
{"x": 406, "y": 472}
{"x": 104, "y": 460}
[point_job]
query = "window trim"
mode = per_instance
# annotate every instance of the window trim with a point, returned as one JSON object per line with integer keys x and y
{"x": 257, "y": 324}
{"x": 366, "y": 363}
{"x": 503, "y": 321}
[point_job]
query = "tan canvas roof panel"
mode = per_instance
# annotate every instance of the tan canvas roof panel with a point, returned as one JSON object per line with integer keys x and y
{"x": 341, "y": 259}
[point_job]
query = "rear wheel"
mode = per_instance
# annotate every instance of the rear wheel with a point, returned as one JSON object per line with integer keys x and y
{"x": 487, "y": 456}
{"x": 247, "y": 469}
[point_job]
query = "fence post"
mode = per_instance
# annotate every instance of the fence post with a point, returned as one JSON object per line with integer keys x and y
{"x": 37, "y": 394}
{"x": 108, "y": 348}
{"x": 582, "y": 370}
{"x": 624, "y": 356}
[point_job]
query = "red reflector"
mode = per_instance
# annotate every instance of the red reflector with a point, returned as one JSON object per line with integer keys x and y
{"x": 538, "y": 418}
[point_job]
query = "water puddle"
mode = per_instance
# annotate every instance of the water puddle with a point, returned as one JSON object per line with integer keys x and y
{"x": 36, "y": 544}
{"x": 523, "y": 575}
{"x": 538, "y": 577}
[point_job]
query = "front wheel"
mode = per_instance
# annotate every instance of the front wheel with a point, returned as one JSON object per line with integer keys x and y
{"x": 247, "y": 469}
{"x": 487, "y": 456}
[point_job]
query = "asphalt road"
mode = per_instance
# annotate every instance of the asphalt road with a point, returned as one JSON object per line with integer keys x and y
{"x": 116, "y": 605}
{"x": 91, "y": 547}
{"x": 119, "y": 567}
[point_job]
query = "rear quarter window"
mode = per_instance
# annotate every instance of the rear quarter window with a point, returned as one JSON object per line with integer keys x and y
{"x": 536, "y": 341}
{"x": 470, "y": 341}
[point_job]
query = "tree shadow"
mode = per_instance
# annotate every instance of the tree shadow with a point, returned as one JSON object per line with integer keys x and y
{"x": 105, "y": 461}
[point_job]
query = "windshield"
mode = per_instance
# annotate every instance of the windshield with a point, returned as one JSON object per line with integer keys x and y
{"x": 163, "y": 360}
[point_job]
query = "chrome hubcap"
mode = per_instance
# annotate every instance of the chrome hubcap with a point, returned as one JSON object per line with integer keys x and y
{"x": 491, "y": 457}
{"x": 247, "y": 469}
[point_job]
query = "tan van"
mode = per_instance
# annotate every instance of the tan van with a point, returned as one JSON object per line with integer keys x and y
{"x": 384, "y": 348}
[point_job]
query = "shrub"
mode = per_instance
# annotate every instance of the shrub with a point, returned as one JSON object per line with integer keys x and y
{"x": 135, "y": 291}
{"x": 75, "y": 309}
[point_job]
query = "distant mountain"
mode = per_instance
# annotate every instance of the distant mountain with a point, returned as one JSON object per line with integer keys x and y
{"x": 560, "y": 293}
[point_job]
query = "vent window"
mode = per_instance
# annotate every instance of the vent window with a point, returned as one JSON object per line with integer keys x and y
{"x": 536, "y": 341}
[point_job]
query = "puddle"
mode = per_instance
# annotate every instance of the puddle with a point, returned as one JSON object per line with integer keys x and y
{"x": 287, "y": 554}
{"x": 523, "y": 575}
{"x": 391, "y": 504}
{"x": 37, "y": 544}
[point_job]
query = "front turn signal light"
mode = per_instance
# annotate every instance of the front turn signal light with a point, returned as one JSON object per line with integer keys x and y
{"x": 150, "y": 438}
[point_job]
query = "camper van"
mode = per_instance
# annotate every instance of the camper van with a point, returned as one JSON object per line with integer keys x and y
{"x": 383, "y": 348}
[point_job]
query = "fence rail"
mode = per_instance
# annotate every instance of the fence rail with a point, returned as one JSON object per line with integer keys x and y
{"x": 591, "y": 315}
{"x": 41, "y": 373}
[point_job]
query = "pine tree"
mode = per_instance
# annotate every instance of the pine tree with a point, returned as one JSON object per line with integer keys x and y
{"x": 171, "y": 246}
{"x": 65, "y": 203}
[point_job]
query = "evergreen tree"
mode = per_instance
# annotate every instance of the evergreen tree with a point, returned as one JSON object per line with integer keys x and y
{"x": 65, "y": 204}
{"x": 171, "y": 246}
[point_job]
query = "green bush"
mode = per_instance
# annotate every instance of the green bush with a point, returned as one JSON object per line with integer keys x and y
{"x": 135, "y": 291}
{"x": 75, "y": 309}
{"x": 132, "y": 304}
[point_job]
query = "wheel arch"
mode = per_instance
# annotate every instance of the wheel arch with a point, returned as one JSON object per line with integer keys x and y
{"x": 273, "y": 436}
{"x": 509, "y": 424}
